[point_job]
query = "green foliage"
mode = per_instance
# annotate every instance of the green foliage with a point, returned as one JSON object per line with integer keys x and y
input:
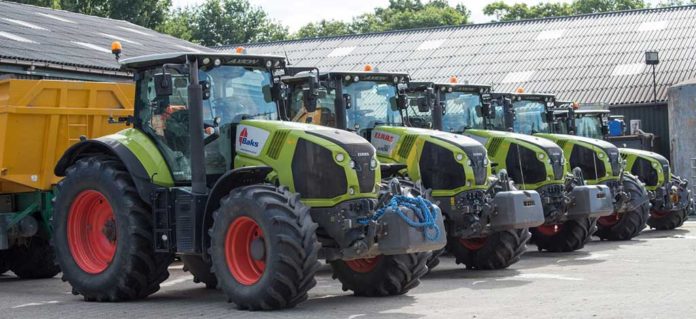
{"x": 147, "y": 13}
{"x": 400, "y": 14}
{"x": 672, "y": 3}
{"x": 519, "y": 11}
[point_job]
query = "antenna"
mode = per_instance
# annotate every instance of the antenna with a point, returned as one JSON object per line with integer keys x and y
{"x": 287, "y": 59}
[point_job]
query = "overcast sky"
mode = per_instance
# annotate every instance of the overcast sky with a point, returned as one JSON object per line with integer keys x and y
{"x": 296, "y": 13}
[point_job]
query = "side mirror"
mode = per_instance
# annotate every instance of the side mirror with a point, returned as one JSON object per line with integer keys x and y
{"x": 486, "y": 110}
{"x": 163, "y": 84}
{"x": 423, "y": 104}
{"x": 309, "y": 99}
{"x": 479, "y": 111}
{"x": 402, "y": 102}
{"x": 347, "y": 101}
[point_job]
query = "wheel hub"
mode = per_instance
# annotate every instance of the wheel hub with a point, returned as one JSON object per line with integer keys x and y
{"x": 258, "y": 249}
{"x": 92, "y": 232}
{"x": 245, "y": 250}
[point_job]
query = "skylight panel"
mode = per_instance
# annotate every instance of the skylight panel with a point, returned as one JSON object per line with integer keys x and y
{"x": 50, "y": 16}
{"x": 92, "y": 46}
{"x": 430, "y": 44}
{"x": 25, "y": 24}
{"x": 628, "y": 69}
{"x": 343, "y": 51}
{"x": 135, "y": 31}
{"x": 550, "y": 34}
{"x": 517, "y": 77}
{"x": 15, "y": 37}
{"x": 122, "y": 39}
{"x": 652, "y": 26}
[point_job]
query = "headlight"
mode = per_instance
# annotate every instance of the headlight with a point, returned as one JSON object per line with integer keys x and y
{"x": 654, "y": 165}
{"x": 468, "y": 162}
{"x": 459, "y": 157}
{"x": 562, "y": 160}
{"x": 541, "y": 156}
{"x": 373, "y": 163}
{"x": 347, "y": 78}
{"x": 340, "y": 157}
{"x": 485, "y": 161}
{"x": 600, "y": 155}
{"x": 351, "y": 164}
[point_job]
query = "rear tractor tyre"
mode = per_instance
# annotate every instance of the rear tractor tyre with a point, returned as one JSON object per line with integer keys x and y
{"x": 33, "y": 260}
{"x": 497, "y": 251}
{"x": 570, "y": 236}
{"x": 103, "y": 234}
{"x": 200, "y": 269}
{"x": 382, "y": 275}
{"x": 626, "y": 225}
{"x": 668, "y": 220}
{"x": 264, "y": 248}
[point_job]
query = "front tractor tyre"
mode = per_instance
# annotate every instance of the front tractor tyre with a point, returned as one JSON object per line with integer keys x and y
{"x": 626, "y": 225}
{"x": 384, "y": 275}
{"x": 103, "y": 234}
{"x": 498, "y": 250}
{"x": 569, "y": 236}
{"x": 200, "y": 269}
{"x": 264, "y": 248}
{"x": 668, "y": 220}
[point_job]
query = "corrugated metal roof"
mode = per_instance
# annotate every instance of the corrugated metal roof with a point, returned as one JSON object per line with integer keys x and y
{"x": 594, "y": 58}
{"x": 56, "y": 38}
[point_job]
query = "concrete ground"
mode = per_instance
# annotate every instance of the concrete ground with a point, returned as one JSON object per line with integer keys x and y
{"x": 653, "y": 276}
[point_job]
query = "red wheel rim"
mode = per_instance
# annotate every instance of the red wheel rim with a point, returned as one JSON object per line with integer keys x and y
{"x": 92, "y": 232}
{"x": 363, "y": 265}
{"x": 473, "y": 243}
{"x": 608, "y": 221}
{"x": 549, "y": 230}
{"x": 241, "y": 235}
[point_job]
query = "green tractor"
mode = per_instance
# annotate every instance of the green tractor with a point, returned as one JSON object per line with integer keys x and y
{"x": 670, "y": 196}
{"x": 570, "y": 207}
{"x": 208, "y": 173}
{"x": 600, "y": 162}
{"x": 486, "y": 219}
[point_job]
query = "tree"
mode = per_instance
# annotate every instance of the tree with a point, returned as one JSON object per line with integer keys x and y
{"x": 505, "y": 12}
{"x": 178, "y": 24}
{"x": 147, "y": 13}
{"x": 323, "y": 28}
{"x": 400, "y": 14}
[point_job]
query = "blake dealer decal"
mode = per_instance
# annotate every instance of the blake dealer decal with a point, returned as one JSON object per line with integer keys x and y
{"x": 250, "y": 140}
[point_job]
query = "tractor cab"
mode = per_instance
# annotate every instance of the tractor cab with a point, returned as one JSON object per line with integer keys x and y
{"x": 356, "y": 101}
{"x": 526, "y": 113}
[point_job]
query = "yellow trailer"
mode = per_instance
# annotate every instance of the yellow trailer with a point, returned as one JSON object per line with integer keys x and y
{"x": 39, "y": 120}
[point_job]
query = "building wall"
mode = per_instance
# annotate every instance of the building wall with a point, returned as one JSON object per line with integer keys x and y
{"x": 653, "y": 118}
{"x": 682, "y": 119}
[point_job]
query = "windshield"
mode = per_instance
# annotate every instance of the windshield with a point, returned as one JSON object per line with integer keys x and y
{"x": 560, "y": 123}
{"x": 372, "y": 103}
{"x": 589, "y": 126}
{"x": 415, "y": 117}
{"x": 530, "y": 117}
{"x": 461, "y": 112}
{"x": 238, "y": 92}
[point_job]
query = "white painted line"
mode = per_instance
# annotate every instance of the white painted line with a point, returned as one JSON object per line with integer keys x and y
{"x": 541, "y": 276}
{"x": 177, "y": 281}
{"x": 180, "y": 267}
{"x": 32, "y": 304}
{"x": 477, "y": 282}
{"x": 593, "y": 256}
{"x": 356, "y": 316}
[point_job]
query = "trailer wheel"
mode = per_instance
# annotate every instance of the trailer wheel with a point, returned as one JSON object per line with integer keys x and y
{"x": 4, "y": 265}
{"x": 200, "y": 269}
{"x": 668, "y": 220}
{"x": 381, "y": 275}
{"x": 264, "y": 248}
{"x": 103, "y": 234}
{"x": 570, "y": 236}
{"x": 625, "y": 226}
{"x": 496, "y": 251}
{"x": 33, "y": 260}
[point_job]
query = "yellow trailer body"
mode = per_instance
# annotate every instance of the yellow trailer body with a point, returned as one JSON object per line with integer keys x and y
{"x": 40, "y": 119}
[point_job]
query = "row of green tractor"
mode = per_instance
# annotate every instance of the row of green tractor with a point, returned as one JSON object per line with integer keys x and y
{"x": 252, "y": 171}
